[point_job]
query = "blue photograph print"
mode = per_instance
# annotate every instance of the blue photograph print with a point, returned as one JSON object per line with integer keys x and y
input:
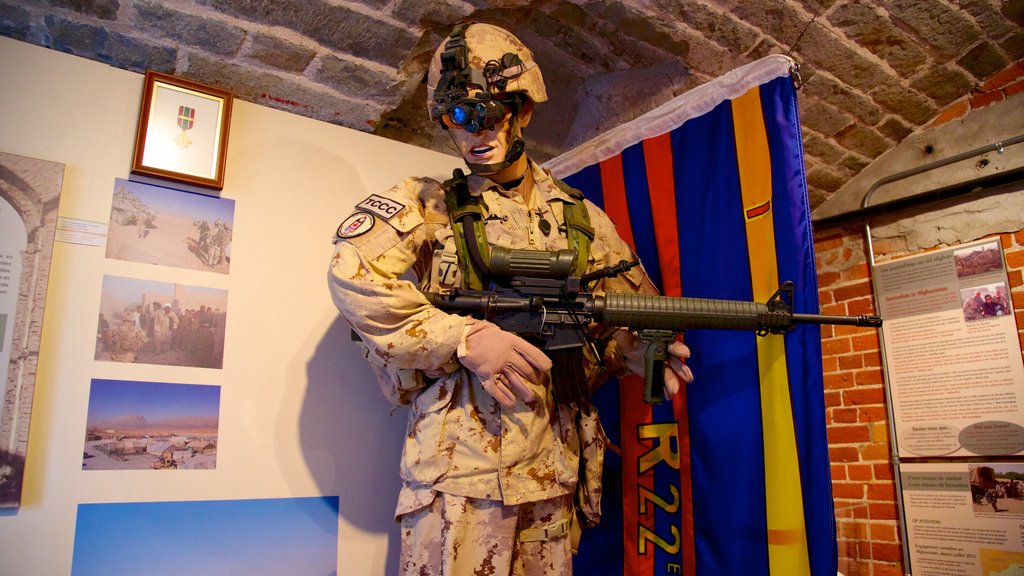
{"x": 151, "y": 426}
{"x": 252, "y": 537}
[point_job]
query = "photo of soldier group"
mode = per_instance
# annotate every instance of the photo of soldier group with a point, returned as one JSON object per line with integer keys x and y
{"x": 997, "y": 488}
{"x": 170, "y": 227}
{"x": 147, "y": 322}
{"x": 986, "y": 301}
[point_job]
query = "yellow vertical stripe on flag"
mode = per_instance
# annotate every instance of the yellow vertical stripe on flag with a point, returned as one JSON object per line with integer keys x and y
{"x": 787, "y": 535}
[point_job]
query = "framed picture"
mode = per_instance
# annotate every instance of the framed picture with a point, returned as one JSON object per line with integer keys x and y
{"x": 183, "y": 131}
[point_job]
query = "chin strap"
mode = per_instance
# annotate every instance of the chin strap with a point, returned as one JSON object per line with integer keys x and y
{"x": 515, "y": 151}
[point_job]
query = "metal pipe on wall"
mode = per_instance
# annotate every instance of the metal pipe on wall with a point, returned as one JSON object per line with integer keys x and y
{"x": 904, "y": 203}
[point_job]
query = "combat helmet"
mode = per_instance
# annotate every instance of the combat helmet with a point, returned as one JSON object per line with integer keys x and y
{"x": 479, "y": 74}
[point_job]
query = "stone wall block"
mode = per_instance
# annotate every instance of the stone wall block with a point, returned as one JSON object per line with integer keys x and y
{"x": 822, "y": 117}
{"x": 853, "y": 163}
{"x": 414, "y": 13}
{"x": 990, "y": 19}
{"x": 873, "y": 30}
{"x": 822, "y": 149}
{"x": 339, "y": 28}
{"x": 735, "y": 35}
{"x": 102, "y": 9}
{"x": 907, "y": 104}
{"x": 1013, "y": 45}
{"x": 841, "y": 96}
{"x": 357, "y": 81}
{"x": 938, "y": 24}
{"x": 894, "y": 129}
{"x": 943, "y": 84}
{"x": 863, "y": 140}
{"x": 15, "y": 22}
{"x": 825, "y": 178}
{"x": 207, "y": 34}
{"x": 858, "y": 69}
{"x": 279, "y": 53}
{"x": 984, "y": 60}
{"x": 97, "y": 43}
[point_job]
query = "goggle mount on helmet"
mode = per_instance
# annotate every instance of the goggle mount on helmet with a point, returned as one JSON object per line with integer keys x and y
{"x": 466, "y": 97}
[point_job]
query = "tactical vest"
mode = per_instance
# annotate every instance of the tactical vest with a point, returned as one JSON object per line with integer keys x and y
{"x": 466, "y": 213}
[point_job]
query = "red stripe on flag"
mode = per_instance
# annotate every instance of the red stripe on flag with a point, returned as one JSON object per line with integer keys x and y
{"x": 613, "y": 188}
{"x": 660, "y": 182}
{"x": 634, "y": 413}
{"x": 689, "y": 536}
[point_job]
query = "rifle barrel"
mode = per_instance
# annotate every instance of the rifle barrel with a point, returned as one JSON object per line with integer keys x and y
{"x": 639, "y": 311}
{"x": 862, "y": 320}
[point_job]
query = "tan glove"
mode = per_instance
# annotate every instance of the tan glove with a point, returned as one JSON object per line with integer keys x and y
{"x": 677, "y": 372}
{"x": 503, "y": 361}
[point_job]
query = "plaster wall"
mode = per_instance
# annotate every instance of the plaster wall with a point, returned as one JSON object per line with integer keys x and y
{"x": 300, "y": 413}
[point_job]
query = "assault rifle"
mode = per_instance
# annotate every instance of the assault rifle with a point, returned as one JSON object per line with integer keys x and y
{"x": 541, "y": 301}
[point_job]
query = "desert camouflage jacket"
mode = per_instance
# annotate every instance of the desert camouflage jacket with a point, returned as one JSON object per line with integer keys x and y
{"x": 459, "y": 439}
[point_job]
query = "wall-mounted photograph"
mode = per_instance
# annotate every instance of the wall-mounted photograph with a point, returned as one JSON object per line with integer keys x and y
{"x": 978, "y": 259}
{"x": 986, "y": 301}
{"x": 170, "y": 227}
{"x": 149, "y": 322}
{"x": 151, "y": 426}
{"x": 254, "y": 537}
{"x": 997, "y": 487}
{"x": 30, "y": 192}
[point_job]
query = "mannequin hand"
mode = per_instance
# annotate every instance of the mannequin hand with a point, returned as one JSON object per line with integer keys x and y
{"x": 676, "y": 370}
{"x": 503, "y": 361}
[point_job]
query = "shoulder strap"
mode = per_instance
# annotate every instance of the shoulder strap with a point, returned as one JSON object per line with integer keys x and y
{"x": 578, "y": 230}
{"x": 463, "y": 209}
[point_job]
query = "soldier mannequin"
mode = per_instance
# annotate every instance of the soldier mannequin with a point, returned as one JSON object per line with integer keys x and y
{"x": 491, "y": 458}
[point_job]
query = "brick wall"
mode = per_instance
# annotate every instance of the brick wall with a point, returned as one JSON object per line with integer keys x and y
{"x": 863, "y": 484}
{"x": 996, "y": 89}
{"x": 858, "y": 432}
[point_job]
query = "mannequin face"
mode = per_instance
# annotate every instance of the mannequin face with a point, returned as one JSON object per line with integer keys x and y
{"x": 490, "y": 146}
{"x": 486, "y": 146}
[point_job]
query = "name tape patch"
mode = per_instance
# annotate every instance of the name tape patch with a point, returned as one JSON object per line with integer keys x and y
{"x": 356, "y": 225}
{"x": 381, "y": 206}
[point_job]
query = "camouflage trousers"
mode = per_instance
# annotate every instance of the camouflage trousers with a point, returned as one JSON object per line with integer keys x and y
{"x": 456, "y": 535}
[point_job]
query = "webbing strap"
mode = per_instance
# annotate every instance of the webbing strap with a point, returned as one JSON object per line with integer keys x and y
{"x": 460, "y": 203}
{"x": 579, "y": 233}
{"x": 549, "y": 532}
{"x": 458, "y": 200}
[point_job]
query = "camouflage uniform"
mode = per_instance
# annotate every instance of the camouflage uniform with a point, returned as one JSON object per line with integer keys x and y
{"x": 460, "y": 441}
{"x": 125, "y": 341}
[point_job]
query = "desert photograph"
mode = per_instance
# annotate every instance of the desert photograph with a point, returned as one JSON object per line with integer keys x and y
{"x": 170, "y": 227}
{"x": 151, "y": 426}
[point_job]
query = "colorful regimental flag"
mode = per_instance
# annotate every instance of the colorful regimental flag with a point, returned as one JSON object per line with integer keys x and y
{"x": 731, "y": 478}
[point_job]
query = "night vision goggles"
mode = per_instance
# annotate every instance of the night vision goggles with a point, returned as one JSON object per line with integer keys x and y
{"x": 465, "y": 96}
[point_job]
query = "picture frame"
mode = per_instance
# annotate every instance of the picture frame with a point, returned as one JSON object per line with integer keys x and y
{"x": 183, "y": 131}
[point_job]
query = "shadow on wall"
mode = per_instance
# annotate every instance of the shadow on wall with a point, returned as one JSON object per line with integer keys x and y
{"x": 347, "y": 423}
